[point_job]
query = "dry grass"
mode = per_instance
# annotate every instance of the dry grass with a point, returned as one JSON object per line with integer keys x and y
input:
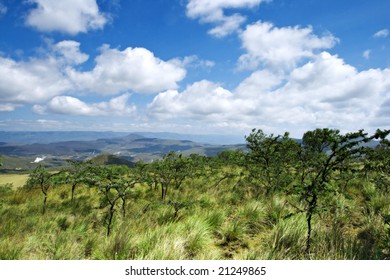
{"x": 17, "y": 180}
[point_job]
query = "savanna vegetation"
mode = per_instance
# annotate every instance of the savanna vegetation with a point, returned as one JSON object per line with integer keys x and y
{"x": 325, "y": 197}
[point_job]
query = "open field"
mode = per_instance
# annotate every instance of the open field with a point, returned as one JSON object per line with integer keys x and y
{"x": 210, "y": 217}
{"x": 17, "y": 180}
{"x": 279, "y": 201}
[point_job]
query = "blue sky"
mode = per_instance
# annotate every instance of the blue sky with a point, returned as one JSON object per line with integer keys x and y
{"x": 194, "y": 66}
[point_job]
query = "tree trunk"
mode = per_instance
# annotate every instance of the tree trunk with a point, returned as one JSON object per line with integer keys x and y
{"x": 164, "y": 190}
{"x": 309, "y": 215}
{"x": 44, "y": 199}
{"x": 112, "y": 210}
{"x": 73, "y": 191}
{"x": 123, "y": 207}
{"x": 44, "y": 204}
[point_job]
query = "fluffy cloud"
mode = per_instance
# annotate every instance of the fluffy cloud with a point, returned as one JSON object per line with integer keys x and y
{"x": 57, "y": 72}
{"x": 135, "y": 69}
{"x": 382, "y": 33}
{"x": 382, "y": 115}
{"x": 329, "y": 92}
{"x": 38, "y": 79}
{"x": 202, "y": 101}
{"x": 68, "y": 16}
{"x": 67, "y": 105}
{"x": 213, "y": 12}
{"x": 201, "y": 98}
{"x": 34, "y": 80}
{"x": 70, "y": 52}
{"x": 324, "y": 92}
{"x": 280, "y": 48}
{"x": 258, "y": 82}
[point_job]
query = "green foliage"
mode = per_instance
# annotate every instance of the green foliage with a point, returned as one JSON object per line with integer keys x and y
{"x": 114, "y": 187}
{"x": 43, "y": 179}
{"x": 324, "y": 198}
{"x": 270, "y": 159}
{"x": 6, "y": 188}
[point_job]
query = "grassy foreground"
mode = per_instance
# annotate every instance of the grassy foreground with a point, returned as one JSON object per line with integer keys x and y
{"x": 325, "y": 198}
{"x": 204, "y": 219}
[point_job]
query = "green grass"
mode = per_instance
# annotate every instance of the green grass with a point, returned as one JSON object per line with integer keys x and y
{"x": 222, "y": 222}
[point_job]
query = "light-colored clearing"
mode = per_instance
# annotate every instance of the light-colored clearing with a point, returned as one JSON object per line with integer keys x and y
{"x": 18, "y": 180}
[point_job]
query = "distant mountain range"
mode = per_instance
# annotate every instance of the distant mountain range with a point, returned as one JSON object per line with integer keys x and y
{"x": 22, "y": 151}
{"x": 45, "y": 137}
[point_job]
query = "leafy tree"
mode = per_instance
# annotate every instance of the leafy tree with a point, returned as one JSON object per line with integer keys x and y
{"x": 114, "y": 186}
{"x": 324, "y": 152}
{"x": 143, "y": 172}
{"x": 377, "y": 161}
{"x": 78, "y": 172}
{"x": 308, "y": 169}
{"x": 196, "y": 165}
{"x": 44, "y": 179}
{"x": 269, "y": 160}
{"x": 232, "y": 157}
{"x": 170, "y": 171}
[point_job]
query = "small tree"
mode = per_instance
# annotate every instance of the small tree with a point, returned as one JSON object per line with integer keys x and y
{"x": 78, "y": 172}
{"x": 324, "y": 152}
{"x": 270, "y": 159}
{"x": 377, "y": 161}
{"x": 113, "y": 186}
{"x": 42, "y": 178}
{"x": 170, "y": 171}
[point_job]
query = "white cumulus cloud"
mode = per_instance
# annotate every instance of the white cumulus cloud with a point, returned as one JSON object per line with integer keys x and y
{"x": 67, "y": 16}
{"x": 68, "y": 105}
{"x": 202, "y": 99}
{"x": 57, "y": 71}
{"x": 40, "y": 78}
{"x": 33, "y": 80}
{"x": 70, "y": 51}
{"x": 213, "y": 12}
{"x": 135, "y": 69}
{"x": 282, "y": 47}
{"x": 323, "y": 92}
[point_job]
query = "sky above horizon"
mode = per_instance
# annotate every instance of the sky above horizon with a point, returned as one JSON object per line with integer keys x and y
{"x": 195, "y": 66}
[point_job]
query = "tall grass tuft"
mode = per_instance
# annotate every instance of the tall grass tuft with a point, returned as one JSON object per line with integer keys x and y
{"x": 289, "y": 238}
{"x": 253, "y": 215}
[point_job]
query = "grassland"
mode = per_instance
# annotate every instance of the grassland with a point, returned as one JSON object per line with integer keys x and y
{"x": 327, "y": 198}
{"x": 16, "y": 180}
{"x": 204, "y": 219}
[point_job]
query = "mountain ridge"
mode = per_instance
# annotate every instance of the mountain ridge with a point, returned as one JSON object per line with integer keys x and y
{"x": 131, "y": 147}
{"x": 46, "y": 137}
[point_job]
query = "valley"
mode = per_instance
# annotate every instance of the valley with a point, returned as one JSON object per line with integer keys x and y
{"x": 24, "y": 151}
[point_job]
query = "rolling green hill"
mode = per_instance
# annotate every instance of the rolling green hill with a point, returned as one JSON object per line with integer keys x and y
{"x": 123, "y": 150}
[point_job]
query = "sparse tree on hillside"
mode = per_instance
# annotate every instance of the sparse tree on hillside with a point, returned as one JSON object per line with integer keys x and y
{"x": 324, "y": 152}
{"x": 77, "y": 173}
{"x": 44, "y": 179}
{"x": 269, "y": 160}
{"x": 377, "y": 160}
{"x": 114, "y": 186}
{"x": 170, "y": 171}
